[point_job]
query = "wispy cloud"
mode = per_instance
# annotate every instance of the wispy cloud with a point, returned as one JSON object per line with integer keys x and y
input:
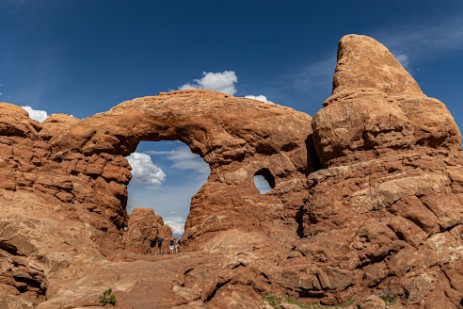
{"x": 39, "y": 74}
{"x": 315, "y": 76}
{"x": 183, "y": 159}
{"x": 144, "y": 170}
{"x": 39, "y": 115}
{"x": 309, "y": 83}
{"x": 414, "y": 43}
{"x": 410, "y": 44}
{"x": 403, "y": 59}
{"x": 221, "y": 81}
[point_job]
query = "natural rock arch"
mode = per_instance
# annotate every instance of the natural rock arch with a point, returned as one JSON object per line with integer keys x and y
{"x": 210, "y": 123}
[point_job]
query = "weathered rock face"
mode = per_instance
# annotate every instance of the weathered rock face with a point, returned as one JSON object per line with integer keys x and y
{"x": 365, "y": 199}
{"x": 385, "y": 216}
{"x": 143, "y": 231}
{"x": 365, "y": 64}
{"x": 377, "y": 107}
{"x": 81, "y": 169}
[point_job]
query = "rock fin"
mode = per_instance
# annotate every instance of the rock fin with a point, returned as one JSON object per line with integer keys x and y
{"x": 365, "y": 63}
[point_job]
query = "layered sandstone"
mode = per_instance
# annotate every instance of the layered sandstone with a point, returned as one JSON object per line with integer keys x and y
{"x": 365, "y": 200}
{"x": 385, "y": 215}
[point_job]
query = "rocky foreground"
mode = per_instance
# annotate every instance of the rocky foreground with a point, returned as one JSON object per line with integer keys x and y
{"x": 366, "y": 207}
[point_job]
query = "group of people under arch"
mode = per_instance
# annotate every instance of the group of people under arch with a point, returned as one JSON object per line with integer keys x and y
{"x": 174, "y": 245}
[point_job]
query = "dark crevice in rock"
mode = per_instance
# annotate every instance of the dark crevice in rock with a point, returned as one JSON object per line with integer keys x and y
{"x": 290, "y": 146}
{"x": 266, "y": 149}
{"x": 300, "y": 221}
{"x": 303, "y": 293}
{"x": 442, "y": 230}
{"x": 416, "y": 221}
{"x": 318, "y": 280}
{"x": 313, "y": 160}
{"x": 447, "y": 229}
{"x": 10, "y": 248}
{"x": 22, "y": 289}
{"x": 217, "y": 287}
{"x": 35, "y": 284}
{"x": 265, "y": 276}
{"x": 375, "y": 258}
{"x": 398, "y": 233}
{"x": 432, "y": 141}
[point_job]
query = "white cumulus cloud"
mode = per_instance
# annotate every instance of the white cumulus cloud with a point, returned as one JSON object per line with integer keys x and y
{"x": 36, "y": 114}
{"x": 260, "y": 97}
{"x": 144, "y": 170}
{"x": 176, "y": 223}
{"x": 223, "y": 82}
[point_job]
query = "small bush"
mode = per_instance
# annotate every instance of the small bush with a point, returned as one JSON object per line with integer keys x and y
{"x": 277, "y": 301}
{"x": 294, "y": 301}
{"x": 273, "y": 300}
{"x": 388, "y": 299}
{"x": 107, "y": 298}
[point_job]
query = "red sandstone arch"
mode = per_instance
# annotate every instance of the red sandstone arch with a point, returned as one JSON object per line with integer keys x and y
{"x": 236, "y": 137}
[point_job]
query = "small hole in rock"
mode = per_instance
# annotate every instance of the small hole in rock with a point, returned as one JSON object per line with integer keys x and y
{"x": 264, "y": 180}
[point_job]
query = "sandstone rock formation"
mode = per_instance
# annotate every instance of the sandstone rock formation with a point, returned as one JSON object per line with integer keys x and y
{"x": 143, "y": 229}
{"x": 365, "y": 205}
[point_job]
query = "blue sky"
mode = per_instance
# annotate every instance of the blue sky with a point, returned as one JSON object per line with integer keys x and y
{"x": 83, "y": 57}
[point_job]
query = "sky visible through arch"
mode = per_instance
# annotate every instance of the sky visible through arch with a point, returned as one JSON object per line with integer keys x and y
{"x": 84, "y": 57}
{"x": 168, "y": 185}
{"x": 166, "y": 175}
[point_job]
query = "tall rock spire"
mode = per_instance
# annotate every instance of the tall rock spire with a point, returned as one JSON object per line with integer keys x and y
{"x": 365, "y": 63}
{"x": 376, "y": 107}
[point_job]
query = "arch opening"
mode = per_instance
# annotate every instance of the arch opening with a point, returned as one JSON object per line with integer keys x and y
{"x": 264, "y": 180}
{"x": 165, "y": 176}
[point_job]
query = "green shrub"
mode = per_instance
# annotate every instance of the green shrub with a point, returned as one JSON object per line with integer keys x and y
{"x": 273, "y": 300}
{"x": 294, "y": 301}
{"x": 108, "y": 298}
{"x": 388, "y": 298}
{"x": 276, "y": 302}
